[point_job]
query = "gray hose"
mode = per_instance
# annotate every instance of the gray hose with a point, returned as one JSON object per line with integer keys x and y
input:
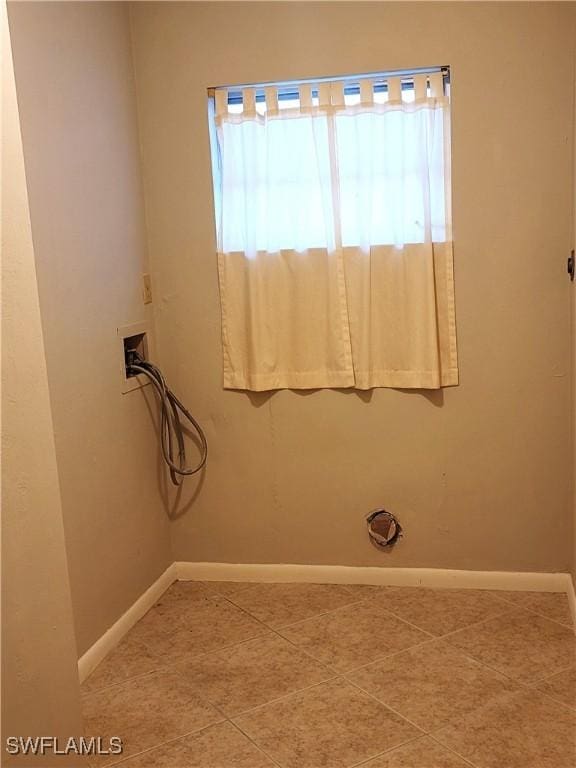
{"x": 170, "y": 424}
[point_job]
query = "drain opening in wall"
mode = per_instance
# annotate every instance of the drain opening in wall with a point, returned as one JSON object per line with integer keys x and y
{"x": 383, "y": 528}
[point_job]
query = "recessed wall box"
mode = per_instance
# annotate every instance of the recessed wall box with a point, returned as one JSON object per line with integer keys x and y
{"x": 132, "y": 338}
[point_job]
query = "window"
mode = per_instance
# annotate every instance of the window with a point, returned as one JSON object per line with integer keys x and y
{"x": 333, "y": 230}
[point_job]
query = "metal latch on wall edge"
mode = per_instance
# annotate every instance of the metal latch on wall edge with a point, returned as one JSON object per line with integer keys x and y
{"x": 570, "y": 267}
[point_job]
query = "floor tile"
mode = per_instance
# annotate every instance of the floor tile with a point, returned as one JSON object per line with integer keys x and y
{"x": 364, "y": 590}
{"x": 281, "y": 604}
{"x": 198, "y": 657}
{"x": 440, "y": 611}
{"x": 183, "y": 592}
{"x": 422, "y": 753}
{"x": 131, "y": 658}
{"x": 333, "y": 725}
{"x": 552, "y": 605}
{"x": 432, "y": 684}
{"x": 206, "y": 625}
{"x": 561, "y": 686}
{"x": 177, "y": 608}
{"x": 146, "y": 712}
{"x": 220, "y": 746}
{"x": 253, "y": 673}
{"x": 186, "y": 621}
{"x": 226, "y": 588}
{"x": 352, "y": 636}
{"x": 522, "y": 645}
{"x": 523, "y": 730}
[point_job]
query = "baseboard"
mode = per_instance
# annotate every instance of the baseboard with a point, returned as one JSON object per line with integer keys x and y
{"x": 320, "y": 574}
{"x": 110, "y": 639}
{"x": 571, "y": 592}
{"x": 397, "y": 577}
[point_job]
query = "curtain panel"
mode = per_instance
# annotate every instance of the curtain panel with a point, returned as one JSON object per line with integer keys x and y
{"x": 334, "y": 239}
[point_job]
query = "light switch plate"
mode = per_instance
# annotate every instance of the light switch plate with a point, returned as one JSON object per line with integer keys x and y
{"x": 146, "y": 288}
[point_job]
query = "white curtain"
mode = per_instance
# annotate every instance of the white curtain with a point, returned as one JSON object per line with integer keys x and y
{"x": 334, "y": 241}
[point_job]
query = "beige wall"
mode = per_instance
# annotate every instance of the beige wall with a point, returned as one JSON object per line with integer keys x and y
{"x": 574, "y": 323}
{"x": 40, "y": 693}
{"x": 75, "y": 89}
{"x": 479, "y": 475}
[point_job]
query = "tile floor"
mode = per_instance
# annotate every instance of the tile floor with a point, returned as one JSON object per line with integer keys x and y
{"x": 232, "y": 675}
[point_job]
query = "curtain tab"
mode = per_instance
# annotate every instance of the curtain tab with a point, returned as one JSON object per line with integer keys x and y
{"x": 337, "y": 93}
{"x": 271, "y": 100}
{"x": 436, "y": 85}
{"x": 221, "y": 101}
{"x": 366, "y": 93}
{"x": 324, "y": 94}
{"x": 305, "y": 96}
{"x": 420, "y": 87}
{"x": 249, "y": 102}
{"x": 394, "y": 90}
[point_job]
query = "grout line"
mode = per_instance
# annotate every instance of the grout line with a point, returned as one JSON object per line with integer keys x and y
{"x": 516, "y": 680}
{"x": 242, "y": 712}
{"x": 510, "y": 612}
{"x": 277, "y": 631}
{"x": 387, "y": 706}
{"x": 454, "y": 719}
{"x": 557, "y": 672}
{"x": 291, "y": 623}
{"x": 249, "y": 711}
{"x": 374, "y": 598}
{"x": 497, "y": 699}
{"x": 508, "y": 676}
{"x": 387, "y": 751}
{"x": 453, "y": 751}
{"x": 457, "y": 722}
{"x": 548, "y": 618}
{"x": 563, "y": 704}
{"x": 534, "y": 611}
{"x": 268, "y": 631}
{"x": 247, "y": 612}
{"x": 251, "y": 740}
{"x": 377, "y": 660}
{"x": 330, "y": 670}
{"x": 130, "y": 679}
{"x": 332, "y": 674}
{"x": 247, "y": 585}
{"x": 487, "y": 666}
{"x": 173, "y": 665}
{"x": 368, "y": 600}
{"x": 389, "y": 610}
{"x": 329, "y": 667}
{"x": 533, "y": 686}
{"x": 163, "y": 744}
{"x": 293, "y": 644}
{"x": 421, "y": 733}
{"x": 512, "y": 609}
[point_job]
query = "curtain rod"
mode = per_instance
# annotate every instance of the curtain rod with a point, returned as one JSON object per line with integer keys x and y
{"x": 351, "y": 79}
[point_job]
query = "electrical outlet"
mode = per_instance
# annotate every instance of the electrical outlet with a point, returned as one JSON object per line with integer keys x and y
{"x": 146, "y": 289}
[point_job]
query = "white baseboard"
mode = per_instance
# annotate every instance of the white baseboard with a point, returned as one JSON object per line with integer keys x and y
{"x": 110, "y": 639}
{"x": 572, "y": 598}
{"x": 320, "y": 574}
{"x": 398, "y": 577}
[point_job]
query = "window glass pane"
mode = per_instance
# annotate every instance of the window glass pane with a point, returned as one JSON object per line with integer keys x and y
{"x": 284, "y": 181}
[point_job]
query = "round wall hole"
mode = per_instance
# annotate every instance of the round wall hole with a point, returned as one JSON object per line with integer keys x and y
{"x": 383, "y": 528}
